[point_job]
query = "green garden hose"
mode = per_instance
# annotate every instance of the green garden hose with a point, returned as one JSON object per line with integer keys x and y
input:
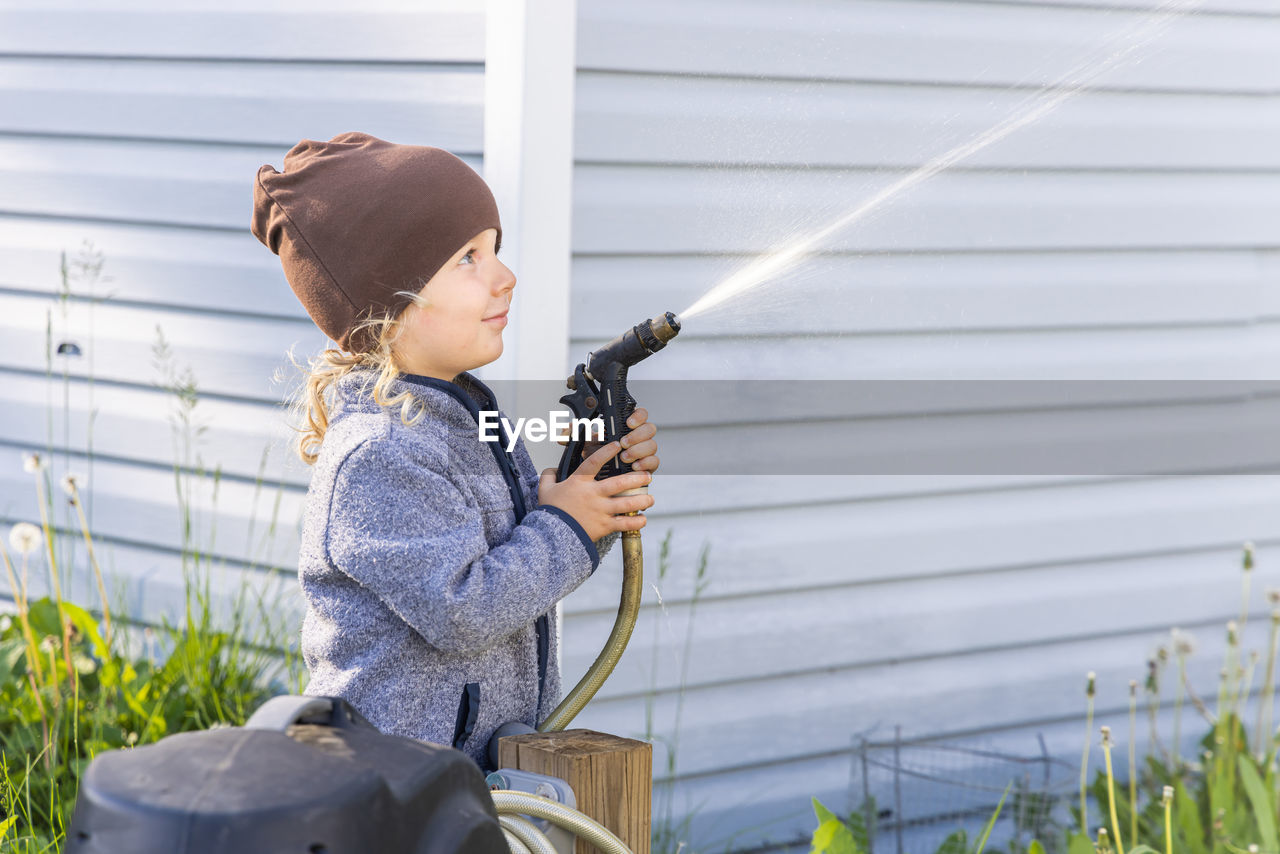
{"x": 628, "y": 611}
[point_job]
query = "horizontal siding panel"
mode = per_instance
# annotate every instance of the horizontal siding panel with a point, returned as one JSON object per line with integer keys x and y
{"x": 234, "y": 103}
{"x": 123, "y": 338}
{"x": 663, "y": 210}
{"x": 139, "y": 504}
{"x": 911, "y": 293}
{"x": 994, "y": 44}
{"x": 744, "y": 639}
{"x": 630, "y": 118}
{"x": 770, "y": 551}
{"x": 1263, "y": 8}
{"x": 248, "y": 441}
{"x": 1196, "y": 437}
{"x": 153, "y": 182}
{"x": 382, "y": 31}
{"x": 161, "y": 267}
{"x": 809, "y": 714}
{"x": 1209, "y": 353}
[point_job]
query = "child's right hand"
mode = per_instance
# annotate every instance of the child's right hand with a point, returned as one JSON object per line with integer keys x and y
{"x": 595, "y": 504}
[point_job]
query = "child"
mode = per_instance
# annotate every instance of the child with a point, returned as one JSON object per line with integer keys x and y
{"x": 431, "y": 562}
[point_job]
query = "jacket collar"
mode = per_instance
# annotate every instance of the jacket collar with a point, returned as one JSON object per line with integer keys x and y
{"x": 458, "y": 402}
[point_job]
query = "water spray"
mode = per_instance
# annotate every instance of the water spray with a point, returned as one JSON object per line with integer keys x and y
{"x": 1067, "y": 86}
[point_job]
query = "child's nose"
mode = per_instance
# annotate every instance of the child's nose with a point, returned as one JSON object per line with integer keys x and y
{"x": 505, "y": 280}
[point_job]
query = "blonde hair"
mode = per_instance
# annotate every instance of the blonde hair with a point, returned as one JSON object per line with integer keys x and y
{"x": 313, "y": 401}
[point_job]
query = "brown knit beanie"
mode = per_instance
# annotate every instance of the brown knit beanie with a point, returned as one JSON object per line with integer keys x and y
{"x": 356, "y": 219}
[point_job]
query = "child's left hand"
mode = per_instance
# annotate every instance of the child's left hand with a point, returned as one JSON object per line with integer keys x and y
{"x": 640, "y": 449}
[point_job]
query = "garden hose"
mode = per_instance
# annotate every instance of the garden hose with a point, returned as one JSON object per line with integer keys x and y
{"x": 510, "y": 803}
{"x": 529, "y": 837}
{"x": 514, "y": 843}
{"x": 598, "y": 392}
{"x": 628, "y": 611}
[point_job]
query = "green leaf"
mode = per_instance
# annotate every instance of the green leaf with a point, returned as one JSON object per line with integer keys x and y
{"x": 87, "y": 626}
{"x": 833, "y": 836}
{"x": 823, "y": 814}
{"x": 956, "y": 843}
{"x": 11, "y": 652}
{"x": 1261, "y": 803}
{"x": 1187, "y": 814}
{"x": 991, "y": 822}
{"x": 1141, "y": 849}
{"x": 43, "y": 617}
{"x": 1035, "y": 847}
{"x": 5, "y": 825}
{"x": 1079, "y": 843}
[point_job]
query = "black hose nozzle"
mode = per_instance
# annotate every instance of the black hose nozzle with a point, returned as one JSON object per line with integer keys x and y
{"x": 598, "y": 387}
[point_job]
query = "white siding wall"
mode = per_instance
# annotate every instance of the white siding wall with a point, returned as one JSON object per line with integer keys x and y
{"x": 139, "y": 126}
{"x": 1132, "y": 233}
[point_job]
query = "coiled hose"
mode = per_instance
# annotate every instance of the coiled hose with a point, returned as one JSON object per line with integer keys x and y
{"x": 512, "y": 805}
{"x": 527, "y": 837}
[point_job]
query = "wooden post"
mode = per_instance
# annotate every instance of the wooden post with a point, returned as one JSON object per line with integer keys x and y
{"x": 612, "y": 777}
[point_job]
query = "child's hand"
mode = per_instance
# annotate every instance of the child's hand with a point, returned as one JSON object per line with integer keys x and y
{"x": 595, "y": 504}
{"x": 640, "y": 448}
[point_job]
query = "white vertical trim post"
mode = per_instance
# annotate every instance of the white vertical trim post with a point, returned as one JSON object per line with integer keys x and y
{"x": 529, "y": 70}
{"x": 528, "y": 162}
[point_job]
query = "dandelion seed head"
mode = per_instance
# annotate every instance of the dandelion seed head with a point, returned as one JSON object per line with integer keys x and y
{"x": 5, "y": 622}
{"x": 1248, "y": 556}
{"x": 25, "y": 538}
{"x": 31, "y": 462}
{"x": 1090, "y": 684}
{"x": 1253, "y": 849}
{"x": 1167, "y": 794}
{"x": 71, "y": 485}
{"x": 1162, "y": 654}
{"x": 1184, "y": 643}
{"x": 49, "y": 643}
{"x": 1273, "y": 595}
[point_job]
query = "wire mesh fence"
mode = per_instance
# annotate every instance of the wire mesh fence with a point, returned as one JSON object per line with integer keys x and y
{"x": 926, "y": 795}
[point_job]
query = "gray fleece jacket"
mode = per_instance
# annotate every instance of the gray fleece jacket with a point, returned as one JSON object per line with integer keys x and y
{"x": 430, "y": 573}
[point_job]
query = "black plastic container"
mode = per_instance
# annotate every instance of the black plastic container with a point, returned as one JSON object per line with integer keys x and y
{"x": 306, "y": 775}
